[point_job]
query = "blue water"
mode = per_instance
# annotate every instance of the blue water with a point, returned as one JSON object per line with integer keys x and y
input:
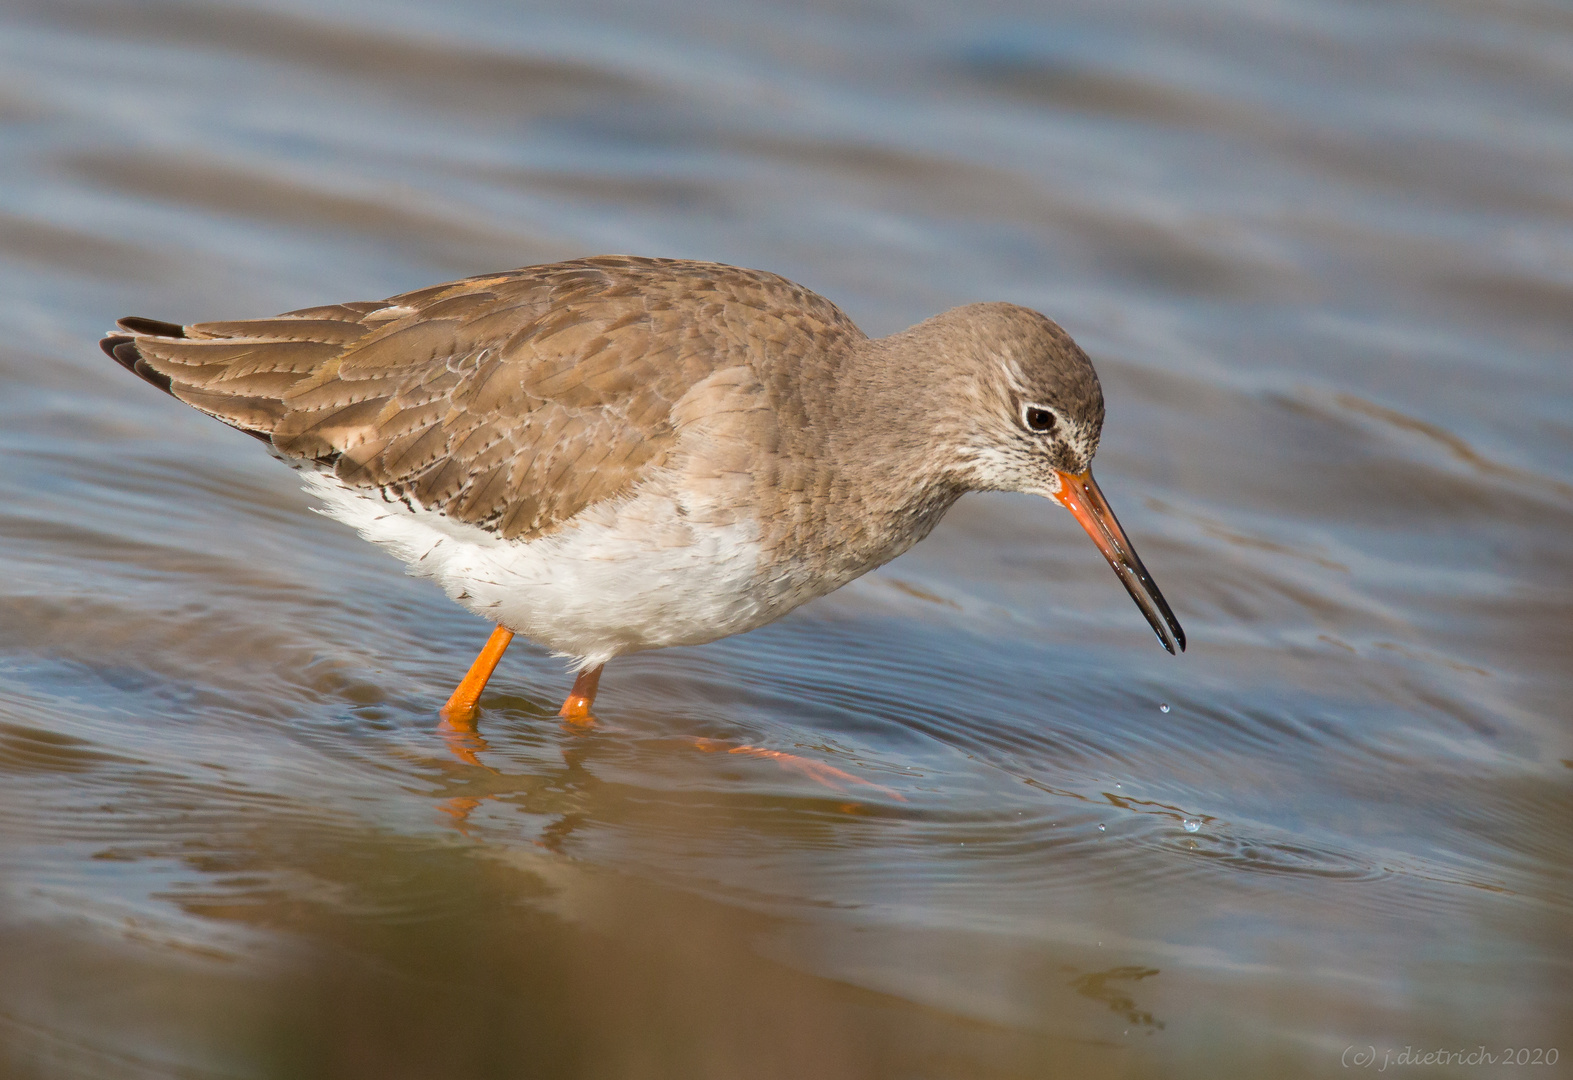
{"x": 1322, "y": 256}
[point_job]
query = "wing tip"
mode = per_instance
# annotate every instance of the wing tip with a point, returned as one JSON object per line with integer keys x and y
{"x": 145, "y": 327}
{"x": 123, "y": 351}
{"x": 122, "y": 348}
{"x": 112, "y": 345}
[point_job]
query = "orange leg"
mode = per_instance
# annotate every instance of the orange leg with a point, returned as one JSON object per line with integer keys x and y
{"x": 582, "y": 696}
{"x": 461, "y": 710}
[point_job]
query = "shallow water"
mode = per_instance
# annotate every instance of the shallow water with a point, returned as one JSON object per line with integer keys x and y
{"x": 1322, "y": 254}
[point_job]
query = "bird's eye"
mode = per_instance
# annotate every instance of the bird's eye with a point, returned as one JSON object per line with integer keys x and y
{"x": 1040, "y": 420}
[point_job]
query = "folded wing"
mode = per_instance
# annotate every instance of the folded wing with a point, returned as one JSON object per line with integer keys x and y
{"x": 510, "y": 401}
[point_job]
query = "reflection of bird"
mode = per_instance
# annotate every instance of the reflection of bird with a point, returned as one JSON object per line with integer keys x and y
{"x": 615, "y": 454}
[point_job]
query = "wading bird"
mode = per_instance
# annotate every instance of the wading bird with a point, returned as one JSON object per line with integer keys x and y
{"x": 615, "y": 453}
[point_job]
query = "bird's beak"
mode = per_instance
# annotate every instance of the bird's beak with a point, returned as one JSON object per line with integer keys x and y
{"x": 1080, "y": 495}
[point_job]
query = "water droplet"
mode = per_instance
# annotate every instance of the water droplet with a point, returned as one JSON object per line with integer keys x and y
{"x": 1164, "y": 707}
{"x": 1116, "y": 785}
{"x": 1192, "y": 826}
{"x": 1101, "y": 828}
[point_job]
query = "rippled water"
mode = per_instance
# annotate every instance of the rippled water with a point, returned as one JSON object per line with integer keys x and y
{"x": 1322, "y": 254}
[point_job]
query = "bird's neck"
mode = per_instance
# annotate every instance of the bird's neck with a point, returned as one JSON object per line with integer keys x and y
{"x": 890, "y": 399}
{"x": 901, "y": 405}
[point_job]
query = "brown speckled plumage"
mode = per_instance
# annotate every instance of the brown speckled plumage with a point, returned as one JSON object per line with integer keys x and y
{"x": 631, "y": 408}
{"x": 513, "y": 401}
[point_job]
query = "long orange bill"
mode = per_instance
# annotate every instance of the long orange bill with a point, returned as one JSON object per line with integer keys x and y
{"x": 1080, "y": 495}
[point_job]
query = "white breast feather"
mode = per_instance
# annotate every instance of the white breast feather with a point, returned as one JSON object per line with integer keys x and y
{"x": 640, "y": 573}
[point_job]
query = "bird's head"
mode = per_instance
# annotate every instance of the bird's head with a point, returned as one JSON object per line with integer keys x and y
{"x": 1025, "y": 414}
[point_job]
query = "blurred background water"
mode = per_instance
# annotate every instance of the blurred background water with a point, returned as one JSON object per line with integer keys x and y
{"x": 1322, "y": 254}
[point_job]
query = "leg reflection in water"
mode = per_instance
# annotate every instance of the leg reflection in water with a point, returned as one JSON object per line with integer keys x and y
{"x": 463, "y": 739}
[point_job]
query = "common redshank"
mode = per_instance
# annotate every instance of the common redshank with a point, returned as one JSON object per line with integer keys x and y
{"x": 614, "y": 454}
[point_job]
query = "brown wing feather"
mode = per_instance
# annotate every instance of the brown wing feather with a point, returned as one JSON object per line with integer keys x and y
{"x": 510, "y": 401}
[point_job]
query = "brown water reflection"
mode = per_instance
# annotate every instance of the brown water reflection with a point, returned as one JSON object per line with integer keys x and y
{"x": 938, "y": 824}
{"x": 443, "y": 964}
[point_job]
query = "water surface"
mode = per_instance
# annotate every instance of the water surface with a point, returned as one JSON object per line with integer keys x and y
{"x": 1322, "y": 255}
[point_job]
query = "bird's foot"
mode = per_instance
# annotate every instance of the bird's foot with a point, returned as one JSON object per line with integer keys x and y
{"x": 460, "y": 717}
{"x": 576, "y": 709}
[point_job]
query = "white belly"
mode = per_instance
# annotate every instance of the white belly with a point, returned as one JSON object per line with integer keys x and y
{"x": 642, "y": 573}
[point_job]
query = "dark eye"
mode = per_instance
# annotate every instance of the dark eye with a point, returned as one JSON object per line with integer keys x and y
{"x": 1040, "y": 420}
